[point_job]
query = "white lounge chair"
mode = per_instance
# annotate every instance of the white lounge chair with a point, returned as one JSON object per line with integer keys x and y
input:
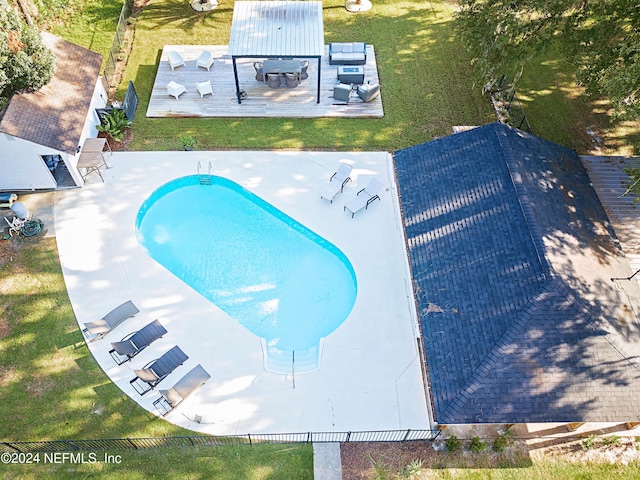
{"x": 337, "y": 182}
{"x": 96, "y": 330}
{"x": 175, "y": 89}
{"x": 364, "y": 197}
{"x": 205, "y": 60}
{"x": 175, "y": 59}
{"x": 204, "y": 88}
{"x": 170, "y": 398}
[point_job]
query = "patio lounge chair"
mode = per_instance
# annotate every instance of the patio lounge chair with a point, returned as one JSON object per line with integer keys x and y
{"x": 96, "y": 330}
{"x": 135, "y": 342}
{"x": 169, "y": 399}
{"x": 364, "y": 197}
{"x": 337, "y": 182}
{"x": 175, "y": 59}
{"x": 155, "y": 371}
{"x": 205, "y": 60}
{"x": 175, "y": 89}
{"x": 204, "y": 88}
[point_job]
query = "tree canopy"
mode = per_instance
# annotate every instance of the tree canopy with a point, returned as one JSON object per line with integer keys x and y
{"x": 25, "y": 63}
{"x": 600, "y": 37}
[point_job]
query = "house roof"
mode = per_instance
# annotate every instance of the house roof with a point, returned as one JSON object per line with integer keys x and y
{"x": 513, "y": 257}
{"x": 277, "y": 29}
{"x": 54, "y": 116}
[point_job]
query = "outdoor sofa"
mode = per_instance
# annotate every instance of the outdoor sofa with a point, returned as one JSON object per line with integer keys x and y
{"x": 352, "y": 53}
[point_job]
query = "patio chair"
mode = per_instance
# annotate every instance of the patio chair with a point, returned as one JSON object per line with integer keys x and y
{"x": 15, "y": 224}
{"x": 342, "y": 92}
{"x": 292, "y": 80}
{"x": 155, "y": 371}
{"x": 364, "y": 197}
{"x": 304, "y": 65}
{"x": 259, "y": 67}
{"x": 135, "y": 342}
{"x": 204, "y": 88}
{"x": 205, "y": 60}
{"x": 169, "y": 399}
{"x": 273, "y": 80}
{"x": 175, "y": 59}
{"x": 368, "y": 92}
{"x": 175, "y": 89}
{"x": 337, "y": 182}
{"x": 96, "y": 330}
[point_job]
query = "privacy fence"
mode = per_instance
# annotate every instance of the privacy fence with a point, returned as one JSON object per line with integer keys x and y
{"x": 202, "y": 441}
{"x": 118, "y": 47}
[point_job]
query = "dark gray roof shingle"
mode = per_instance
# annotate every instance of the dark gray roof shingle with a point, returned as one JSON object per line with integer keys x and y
{"x": 507, "y": 240}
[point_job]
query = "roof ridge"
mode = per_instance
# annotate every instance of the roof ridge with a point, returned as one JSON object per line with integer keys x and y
{"x": 521, "y": 194}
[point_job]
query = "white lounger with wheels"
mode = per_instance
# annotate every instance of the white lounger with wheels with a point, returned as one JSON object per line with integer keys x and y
{"x": 337, "y": 182}
{"x": 364, "y": 197}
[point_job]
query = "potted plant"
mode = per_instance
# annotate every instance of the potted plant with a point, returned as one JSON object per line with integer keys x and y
{"x": 187, "y": 141}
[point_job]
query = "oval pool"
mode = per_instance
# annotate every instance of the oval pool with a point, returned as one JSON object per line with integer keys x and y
{"x": 273, "y": 275}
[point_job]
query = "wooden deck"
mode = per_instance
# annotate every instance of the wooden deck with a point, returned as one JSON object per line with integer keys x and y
{"x": 261, "y": 101}
{"x": 610, "y": 182}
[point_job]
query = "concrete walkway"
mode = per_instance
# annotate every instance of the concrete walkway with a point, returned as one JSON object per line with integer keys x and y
{"x": 326, "y": 461}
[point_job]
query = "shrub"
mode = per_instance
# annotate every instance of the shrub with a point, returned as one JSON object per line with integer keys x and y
{"x": 612, "y": 440}
{"x": 477, "y": 445}
{"x": 114, "y": 124}
{"x": 453, "y": 444}
{"x": 412, "y": 470}
{"x": 589, "y": 442}
{"x": 503, "y": 441}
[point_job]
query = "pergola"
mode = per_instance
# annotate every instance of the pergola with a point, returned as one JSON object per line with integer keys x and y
{"x": 276, "y": 29}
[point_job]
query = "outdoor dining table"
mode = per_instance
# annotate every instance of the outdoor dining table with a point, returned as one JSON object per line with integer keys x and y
{"x": 282, "y": 66}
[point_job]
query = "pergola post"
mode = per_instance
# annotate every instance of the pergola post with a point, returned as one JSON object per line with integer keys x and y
{"x": 319, "y": 73}
{"x": 235, "y": 75}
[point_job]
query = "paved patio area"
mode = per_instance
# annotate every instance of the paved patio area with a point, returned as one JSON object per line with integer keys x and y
{"x": 370, "y": 377}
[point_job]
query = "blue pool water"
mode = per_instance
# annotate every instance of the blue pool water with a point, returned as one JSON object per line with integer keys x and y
{"x": 274, "y": 276}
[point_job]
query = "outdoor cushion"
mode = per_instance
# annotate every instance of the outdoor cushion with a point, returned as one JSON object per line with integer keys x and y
{"x": 369, "y": 91}
{"x": 146, "y": 375}
{"x": 354, "y": 53}
{"x": 172, "y": 396}
{"x": 342, "y": 92}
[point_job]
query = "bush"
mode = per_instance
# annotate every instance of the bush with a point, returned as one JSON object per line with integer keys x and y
{"x": 114, "y": 124}
{"x": 612, "y": 440}
{"x": 589, "y": 442}
{"x": 412, "y": 470}
{"x": 453, "y": 444}
{"x": 503, "y": 441}
{"x": 477, "y": 445}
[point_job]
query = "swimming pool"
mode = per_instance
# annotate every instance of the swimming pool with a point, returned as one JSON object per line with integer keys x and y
{"x": 277, "y": 278}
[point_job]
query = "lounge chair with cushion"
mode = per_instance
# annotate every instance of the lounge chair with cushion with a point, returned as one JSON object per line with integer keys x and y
{"x": 175, "y": 59}
{"x": 169, "y": 399}
{"x": 135, "y": 342}
{"x": 96, "y": 330}
{"x": 337, "y": 182}
{"x": 155, "y": 371}
{"x": 205, "y": 60}
{"x": 364, "y": 197}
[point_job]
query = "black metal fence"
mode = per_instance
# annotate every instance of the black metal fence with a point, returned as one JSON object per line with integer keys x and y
{"x": 506, "y": 104}
{"x": 118, "y": 46}
{"x": 206, "y": 441}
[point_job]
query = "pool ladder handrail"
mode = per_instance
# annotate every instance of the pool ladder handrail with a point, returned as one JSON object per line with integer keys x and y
{"x": 204, "y": 180}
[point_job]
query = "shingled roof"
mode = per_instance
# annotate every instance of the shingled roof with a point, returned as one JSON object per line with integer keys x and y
{"x": 513, "y": 258}
{"x": 54, "y": 116}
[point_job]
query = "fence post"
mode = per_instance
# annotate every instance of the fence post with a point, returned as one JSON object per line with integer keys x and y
{"x": 406, "y": 435}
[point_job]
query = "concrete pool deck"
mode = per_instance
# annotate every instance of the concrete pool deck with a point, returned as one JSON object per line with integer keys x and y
{"x": 370, "y": 376}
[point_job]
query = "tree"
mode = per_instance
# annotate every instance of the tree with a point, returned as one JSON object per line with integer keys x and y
{"x": 600, "y": 37}
{"x": 25, "y": 63}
